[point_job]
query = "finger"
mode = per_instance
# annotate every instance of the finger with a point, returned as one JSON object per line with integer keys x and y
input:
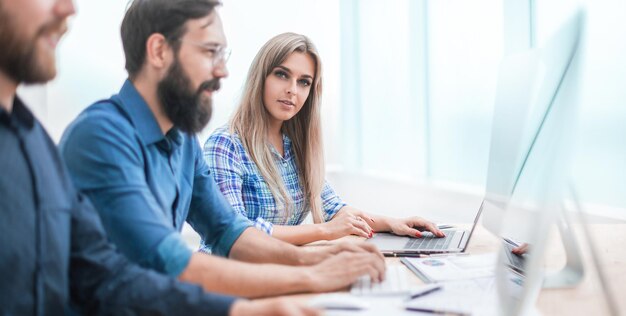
{"x": 365, "y": 266}
{"x": 381, "y": 267}
{"x": 522, "y": 249}
{"x": 350, "y": 226}
{"x": 361, "y": 224}
{"x": 309, "y": 311}
{"x": 431, "y": 227}
{"x": 377, "y": 264}
{"x": 425, "y": 225}
{"x": 303, "y": 310}
{"x": 358, "y": 231}
{"x": 371, "y": 248}
{"x": 364, "y": 216}
{"x": 298, "y": 309}
{"x": 350, "y": 247}
{"x": 408, "y": 231}
{"x": 374, "y": 274}
{"x": 370, "y": 221}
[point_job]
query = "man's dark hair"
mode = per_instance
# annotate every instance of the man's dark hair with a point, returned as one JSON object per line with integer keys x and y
{"x": 168, "y": 17}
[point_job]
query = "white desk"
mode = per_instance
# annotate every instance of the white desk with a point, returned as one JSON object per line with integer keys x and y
{"x": 399, "y": 199}
{"x": 584, "y": 299}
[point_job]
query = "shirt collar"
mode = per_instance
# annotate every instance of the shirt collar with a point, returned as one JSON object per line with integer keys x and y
{"x": 172, "y": 140}
{"x": 19, "y": 116}
{"x": 140, "y": 114}
{"x": 286, "y": 148}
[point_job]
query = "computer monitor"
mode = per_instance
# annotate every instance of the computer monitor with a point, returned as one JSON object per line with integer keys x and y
{"x": 533, "y": 124}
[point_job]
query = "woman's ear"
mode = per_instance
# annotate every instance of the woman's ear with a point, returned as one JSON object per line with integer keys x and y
{"x": 158, "y": 51}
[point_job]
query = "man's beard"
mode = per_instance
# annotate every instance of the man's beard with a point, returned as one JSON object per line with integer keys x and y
{"x": 189, "y": 110}
{"x": 19, "y": 56}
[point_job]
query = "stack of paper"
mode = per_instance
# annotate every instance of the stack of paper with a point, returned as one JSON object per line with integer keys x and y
{"x": 467, "y": 281}
{"x": 454, "y": 267}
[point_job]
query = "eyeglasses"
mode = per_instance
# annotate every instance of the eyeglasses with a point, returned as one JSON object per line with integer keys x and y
{"x": 218, "y": 54}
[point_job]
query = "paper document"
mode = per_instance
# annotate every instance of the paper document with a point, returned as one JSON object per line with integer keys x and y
{"x": 450, "y": 268}
{"x": 472, "y": 296}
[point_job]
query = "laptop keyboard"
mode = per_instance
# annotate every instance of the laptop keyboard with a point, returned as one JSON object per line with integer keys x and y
{"x": 396, "y": 283}
{"x": 429, "y": 241}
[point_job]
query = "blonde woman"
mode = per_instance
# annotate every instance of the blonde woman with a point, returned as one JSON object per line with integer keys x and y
{"x": 268, "y": 161}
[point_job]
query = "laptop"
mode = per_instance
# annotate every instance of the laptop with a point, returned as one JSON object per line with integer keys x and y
{"x": 456, "y": 240}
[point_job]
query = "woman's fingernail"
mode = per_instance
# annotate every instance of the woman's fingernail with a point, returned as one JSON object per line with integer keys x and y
{"x": 418, "y": 235}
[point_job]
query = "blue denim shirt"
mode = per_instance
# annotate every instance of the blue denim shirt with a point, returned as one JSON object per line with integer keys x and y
{"x": 145, "y": 184}
{"x": 55, "y": 253}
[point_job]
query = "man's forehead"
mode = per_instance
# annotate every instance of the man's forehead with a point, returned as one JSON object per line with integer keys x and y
{"x": 207, "y": 29}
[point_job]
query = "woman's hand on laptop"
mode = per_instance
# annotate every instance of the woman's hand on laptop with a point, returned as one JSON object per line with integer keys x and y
{"x": 410, "y": 226}
{"x": 413, "y": 226}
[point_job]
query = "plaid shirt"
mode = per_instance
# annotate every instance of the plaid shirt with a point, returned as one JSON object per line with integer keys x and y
{"x": 243, "y": 185}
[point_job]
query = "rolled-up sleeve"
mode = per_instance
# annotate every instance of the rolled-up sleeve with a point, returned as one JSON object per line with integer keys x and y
{"x": 103, "y": 282}
{"x": 331, "y": 203}
{"x": 225, "y": 166}
{"x": 210, "y": 214}
{"x": 106, "y": 163}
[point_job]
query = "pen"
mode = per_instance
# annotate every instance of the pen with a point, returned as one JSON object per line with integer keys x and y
{"x": 451, "y": 254}
{"x": 437, "y": 312}
{"x": 411, "y": 255}
{"x": 423, "y": 293}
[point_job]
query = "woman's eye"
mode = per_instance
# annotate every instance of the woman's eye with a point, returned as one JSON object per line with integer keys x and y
{"x": 304, "y": 83}
{"x": 281, "y": 74}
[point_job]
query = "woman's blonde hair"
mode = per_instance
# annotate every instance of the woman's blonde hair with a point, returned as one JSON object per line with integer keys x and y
{"x": 251, "y": 123}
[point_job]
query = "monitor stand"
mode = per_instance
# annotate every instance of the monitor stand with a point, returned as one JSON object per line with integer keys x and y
{"x": 609, "y": 296}
{"x": 573, "y": 271}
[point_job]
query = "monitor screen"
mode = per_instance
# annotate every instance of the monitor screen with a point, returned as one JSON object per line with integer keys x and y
{"x": 533, "y": 127}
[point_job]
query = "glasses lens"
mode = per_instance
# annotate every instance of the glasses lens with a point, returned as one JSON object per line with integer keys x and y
{"x": 222, "y": 56}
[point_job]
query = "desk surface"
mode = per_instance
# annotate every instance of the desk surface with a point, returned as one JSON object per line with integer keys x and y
{"x": 586, "y": 298}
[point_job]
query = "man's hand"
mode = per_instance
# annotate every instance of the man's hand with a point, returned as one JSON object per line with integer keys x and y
{"x": 341, "y": 270}
{"x": 315, "y": 254}
{"x": 273, "y": 306}
{"x": 412, "y": 226}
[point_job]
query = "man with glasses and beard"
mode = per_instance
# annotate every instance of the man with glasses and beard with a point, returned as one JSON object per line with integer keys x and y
{"x": 55, "y": 258}
{"x": 137, "y": 158}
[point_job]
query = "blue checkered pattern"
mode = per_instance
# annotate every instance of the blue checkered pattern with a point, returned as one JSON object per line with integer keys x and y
{"x": 243, "y": 186}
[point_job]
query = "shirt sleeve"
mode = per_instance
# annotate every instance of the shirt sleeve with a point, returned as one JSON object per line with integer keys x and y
{"x": 220, "y": 155}
{"x": 210, "y": 214}
{"x": 105, "y": 162}
{"x": 331, "y": 203}
{"x": 264, "y": 225}
{"x": 103, "y": 282}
